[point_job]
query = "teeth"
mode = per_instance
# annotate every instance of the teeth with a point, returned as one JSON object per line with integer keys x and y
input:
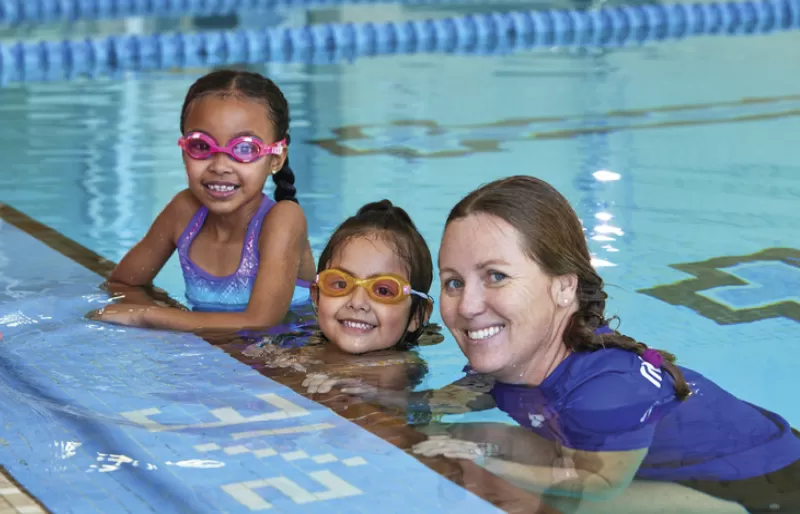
{"x": 484, "y": 333}
{"x": 358, "y": 325}
{"x": 221, "y": 188}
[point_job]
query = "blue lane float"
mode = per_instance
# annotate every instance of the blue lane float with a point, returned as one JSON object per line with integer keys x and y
{"x": 38, "y": 11}
{"x": 489, "y": 33}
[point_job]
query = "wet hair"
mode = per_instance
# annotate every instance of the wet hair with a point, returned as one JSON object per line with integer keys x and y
{"x": 257, "y": 88}
{"x": 553, "y": 237}
{"x": 393, "y": 225}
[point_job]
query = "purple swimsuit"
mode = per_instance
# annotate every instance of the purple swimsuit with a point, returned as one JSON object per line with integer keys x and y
{"x": 206, "y": 292}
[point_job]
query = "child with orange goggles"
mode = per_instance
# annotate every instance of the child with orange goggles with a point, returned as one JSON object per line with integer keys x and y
{"x": 371, "y": 292}
{"x": 372, "y": 303}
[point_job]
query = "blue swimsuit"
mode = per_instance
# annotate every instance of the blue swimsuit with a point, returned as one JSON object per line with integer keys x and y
{"x": 207, "y": 292}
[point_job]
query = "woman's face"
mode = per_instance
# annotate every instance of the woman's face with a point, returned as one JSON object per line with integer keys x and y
{"x": 504, "y": 311}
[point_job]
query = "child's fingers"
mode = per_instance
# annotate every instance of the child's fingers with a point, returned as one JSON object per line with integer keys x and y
{"x": 326, "y": 385}
{"x": 313, "y": 381}
{"x": 284, "y": 361}
{"x": 322, "y": 386}
{"x": 460, "y": 455}
{"x": 320, "y": 383}
{"x": 356, "y": 388}
{"x": 313, "y": 378}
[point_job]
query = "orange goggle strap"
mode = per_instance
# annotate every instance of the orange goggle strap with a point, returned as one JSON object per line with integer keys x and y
{"x": 406, "y": 287}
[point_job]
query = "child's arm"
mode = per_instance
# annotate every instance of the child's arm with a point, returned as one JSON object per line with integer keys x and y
{"x": 137, "y": 295}
{"x": 131, "y": 281}
{"x": 283, "y": 239}
{"x": 143, "y": 262}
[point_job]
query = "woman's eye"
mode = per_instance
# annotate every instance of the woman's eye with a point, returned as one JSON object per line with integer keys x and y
{"x": 453, "y": 283}
{"x": 496, "y": 276}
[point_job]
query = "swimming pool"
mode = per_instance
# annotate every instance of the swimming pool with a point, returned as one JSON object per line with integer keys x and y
{"x": 677, "y": 155}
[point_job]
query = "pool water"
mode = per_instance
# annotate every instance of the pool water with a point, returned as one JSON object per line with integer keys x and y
{"x": 672, "y": 153}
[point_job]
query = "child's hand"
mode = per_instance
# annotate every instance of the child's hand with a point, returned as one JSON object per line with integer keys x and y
{"x": 121, "y": 314}
{"x": 277, "y": 357}
{"x": 321, "y": 383}
{"x": 284, "y": 359}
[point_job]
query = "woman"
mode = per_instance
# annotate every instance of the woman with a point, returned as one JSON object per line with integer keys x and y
{"x": 599, "y": 409}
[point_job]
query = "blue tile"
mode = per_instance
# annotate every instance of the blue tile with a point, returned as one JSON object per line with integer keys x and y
{"x": 768, "y": 282}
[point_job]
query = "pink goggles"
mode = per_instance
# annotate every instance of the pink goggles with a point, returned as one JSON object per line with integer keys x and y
{"x": 243, "y": 149}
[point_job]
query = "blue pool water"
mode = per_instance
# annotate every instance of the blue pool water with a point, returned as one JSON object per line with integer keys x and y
{"x": 672, "y": 153}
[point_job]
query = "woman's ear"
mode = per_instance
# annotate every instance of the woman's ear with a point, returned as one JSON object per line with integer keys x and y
{"x": 564, "y": 289}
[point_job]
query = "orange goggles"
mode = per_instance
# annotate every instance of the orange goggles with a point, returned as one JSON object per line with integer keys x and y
{"x": 383, "y": 288}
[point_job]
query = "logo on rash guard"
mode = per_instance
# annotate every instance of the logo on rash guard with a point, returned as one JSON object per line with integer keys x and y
{"x": 651, "y": 373}
{"x": 536, "y": 419}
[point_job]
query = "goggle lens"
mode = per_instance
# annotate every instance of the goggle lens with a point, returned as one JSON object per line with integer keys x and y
{"x": 385, "y": 289}
{"x": 198, "y": 149}
{"x": 246, "y": 151}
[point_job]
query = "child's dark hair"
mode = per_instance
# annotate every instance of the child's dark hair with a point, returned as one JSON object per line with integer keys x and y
{"x": 256, "y": 87}
{"x": 392, "y": 224}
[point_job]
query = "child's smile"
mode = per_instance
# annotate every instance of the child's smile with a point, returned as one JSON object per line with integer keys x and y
{"x": 357, "y": 323}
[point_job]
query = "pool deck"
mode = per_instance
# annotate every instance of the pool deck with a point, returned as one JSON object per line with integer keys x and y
{"x": 14, "y": 499}
{"x": 126, "y": 423}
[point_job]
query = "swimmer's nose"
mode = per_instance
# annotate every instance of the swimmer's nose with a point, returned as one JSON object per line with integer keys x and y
{"x": 472, "y": 301}
{"x": 359, "y": 299}
{"x": 220, "y": 164}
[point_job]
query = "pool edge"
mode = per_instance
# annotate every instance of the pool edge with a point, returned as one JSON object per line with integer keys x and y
{"x": 7, "y": 481}
{"x": 391, "y": 428}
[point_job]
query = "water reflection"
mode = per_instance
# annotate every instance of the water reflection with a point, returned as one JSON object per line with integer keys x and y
{"x": 324, "y": 365}
{"x": 576, "y": 452}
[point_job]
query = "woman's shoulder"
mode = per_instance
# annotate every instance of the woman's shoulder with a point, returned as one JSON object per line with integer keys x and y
{"x": 605, "y": 360}
{"x": 614, "y": 373}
